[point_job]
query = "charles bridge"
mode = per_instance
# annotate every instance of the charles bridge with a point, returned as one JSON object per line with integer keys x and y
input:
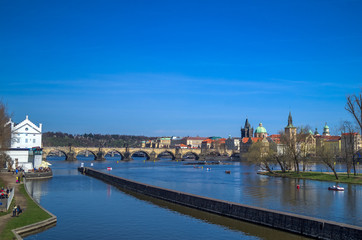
{"x": 126, "y": 153}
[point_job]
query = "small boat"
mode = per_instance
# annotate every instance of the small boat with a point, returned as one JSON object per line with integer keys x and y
{"x": 227, "y": 172}
{"x": 336, "y": 188}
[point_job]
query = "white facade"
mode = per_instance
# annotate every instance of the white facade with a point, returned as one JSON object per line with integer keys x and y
{"x": 25, "y": 136}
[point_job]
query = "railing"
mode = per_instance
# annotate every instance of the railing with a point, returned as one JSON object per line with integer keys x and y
{"x": 6, "y": 202}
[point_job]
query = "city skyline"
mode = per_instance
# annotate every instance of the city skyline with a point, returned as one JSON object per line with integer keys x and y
{"x": 179, "y": 69}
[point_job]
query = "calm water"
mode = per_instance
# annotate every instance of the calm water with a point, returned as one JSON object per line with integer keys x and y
{"x": 89, "y": 208}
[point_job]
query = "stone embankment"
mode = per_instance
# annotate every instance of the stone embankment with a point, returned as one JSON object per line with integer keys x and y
{"x": 9, "y": 180}
{"x": 303, "y": 225}
{"x": 35, "y": 227}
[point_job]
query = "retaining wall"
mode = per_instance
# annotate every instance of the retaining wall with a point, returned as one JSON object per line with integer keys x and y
{"x": 307, "y": 226}
{"x": 38, "y": 175}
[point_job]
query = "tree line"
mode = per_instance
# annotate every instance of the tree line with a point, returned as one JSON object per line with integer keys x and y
{"x": 59, "y": 139}
{"x": 298, "y": 150}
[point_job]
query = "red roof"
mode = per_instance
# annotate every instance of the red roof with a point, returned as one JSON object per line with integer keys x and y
{"x": 275, "y": 138}
{"x": 345, "y": 134}
{"x": 331, "y": 137}
{"x": 207, "y": 141}
{"x": 254, "y": 139}
{"x": 195, "y": 138}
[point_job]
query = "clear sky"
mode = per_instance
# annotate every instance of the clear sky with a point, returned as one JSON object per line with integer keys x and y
{"x": 179, "y": 68}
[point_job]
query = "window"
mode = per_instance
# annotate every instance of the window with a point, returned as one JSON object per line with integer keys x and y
{"x": 33, "y": 140}
{"x": 26, "y": 140}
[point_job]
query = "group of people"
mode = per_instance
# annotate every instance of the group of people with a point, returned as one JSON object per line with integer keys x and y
{"x": 17, "y": 210}
{"x": 4, "y": 192}
{"x": 42, "y": 169}
{"x": 17, "y": 170}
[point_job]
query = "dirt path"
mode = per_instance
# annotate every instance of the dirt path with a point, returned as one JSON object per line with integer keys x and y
{"x": 10, "y": 181}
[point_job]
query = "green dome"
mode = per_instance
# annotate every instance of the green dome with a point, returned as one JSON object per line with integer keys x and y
{"x": 326, "y": 126}
{"x": 311, "y": 132}
{"x": 260, "y": 129}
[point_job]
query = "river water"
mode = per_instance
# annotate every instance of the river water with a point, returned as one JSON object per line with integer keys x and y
{"x": 91, "y": 209}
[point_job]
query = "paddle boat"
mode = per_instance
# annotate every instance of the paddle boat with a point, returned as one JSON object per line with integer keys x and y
{"x": 336, "y": 188}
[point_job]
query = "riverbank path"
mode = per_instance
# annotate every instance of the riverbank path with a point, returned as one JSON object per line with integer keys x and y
{"x": 9, "y": 180}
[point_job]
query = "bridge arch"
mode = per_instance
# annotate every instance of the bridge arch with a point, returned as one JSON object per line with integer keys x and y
{"x": 55, "y": 151}
{"x": 186, "y": 154}
{"x": 168, "y": 152}
{"x": 114, "y": 150}
{"x": 146, "y": 153}
{"x": 85, "y": 151}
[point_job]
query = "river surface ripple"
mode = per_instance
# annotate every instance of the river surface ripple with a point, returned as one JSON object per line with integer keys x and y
{"x": 87, "y": 207}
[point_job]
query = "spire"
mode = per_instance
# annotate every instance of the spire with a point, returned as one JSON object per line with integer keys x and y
{"x": 316, "y": 132}
{"x": 290, "y": 121}
{"x": 247, "y": 124}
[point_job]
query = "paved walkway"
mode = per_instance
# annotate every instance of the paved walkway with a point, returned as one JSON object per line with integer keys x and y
{"x": 10, "y": 181}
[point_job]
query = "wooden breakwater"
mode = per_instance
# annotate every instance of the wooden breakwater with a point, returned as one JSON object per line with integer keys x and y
{"x": 307, "y": 226}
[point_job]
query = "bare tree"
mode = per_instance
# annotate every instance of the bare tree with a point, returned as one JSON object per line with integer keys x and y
{"x": 277, "y": 153}
{"x": 354, "y": 106}
{"x": 298, "y": 147}
{"x": 260, "y": 154}
{"x": 5, "y": 135}
{"x": 328, "y": 157}
{"x": 349, "y": 146}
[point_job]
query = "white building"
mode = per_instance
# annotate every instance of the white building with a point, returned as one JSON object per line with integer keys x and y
{"x": 24, "y": 137}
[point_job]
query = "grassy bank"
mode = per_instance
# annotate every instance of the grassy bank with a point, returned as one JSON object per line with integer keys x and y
{"x": 32, "y": 214}
{"x": 342, "y": 177}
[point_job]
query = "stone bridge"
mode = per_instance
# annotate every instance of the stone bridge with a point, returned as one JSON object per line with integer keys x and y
{"x": 71, "y": 153}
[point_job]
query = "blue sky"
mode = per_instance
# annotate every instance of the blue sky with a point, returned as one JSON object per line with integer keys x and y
{"x": 185, "y": 68}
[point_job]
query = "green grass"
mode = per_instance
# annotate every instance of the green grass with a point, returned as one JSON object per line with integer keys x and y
{"x": 31, "y": 214}
{"x": 342, "y": 177}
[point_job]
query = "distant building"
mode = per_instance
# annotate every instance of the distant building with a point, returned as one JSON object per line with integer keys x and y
{"x": 163, "y": 142}
{"x": 245, "y": 144}
{"x": 326, "y": 130}
{"x": 190, "y": 142}
{"x": 290, "y": 131}
{"x": 260, "y": 131}
{"x": 247, "y": 138}
{"x": 26, "y": 142}
{"x": 232, "y": 143}
{"x": 350, "y": 143}
{"x": 247, "y": 131}
{"x": 213, "y": 144}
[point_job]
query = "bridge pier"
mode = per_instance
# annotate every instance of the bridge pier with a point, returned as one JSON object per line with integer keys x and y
{"x": 70, "y": 156}
{"x": 202, "y": 157}
{"x": 126, "y": 156}
{"x": 153, "y": 156}
{"x": 178, "y": 157}
{"x": 100, "y": 156}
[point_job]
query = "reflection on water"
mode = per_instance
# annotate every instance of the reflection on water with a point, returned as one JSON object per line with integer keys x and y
{"x": 86, "y": 205}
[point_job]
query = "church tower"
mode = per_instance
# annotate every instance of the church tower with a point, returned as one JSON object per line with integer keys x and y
{"x": 290, "y": 130}
{"x": 326, "y": 131}
{"x": 247, "y": 131}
